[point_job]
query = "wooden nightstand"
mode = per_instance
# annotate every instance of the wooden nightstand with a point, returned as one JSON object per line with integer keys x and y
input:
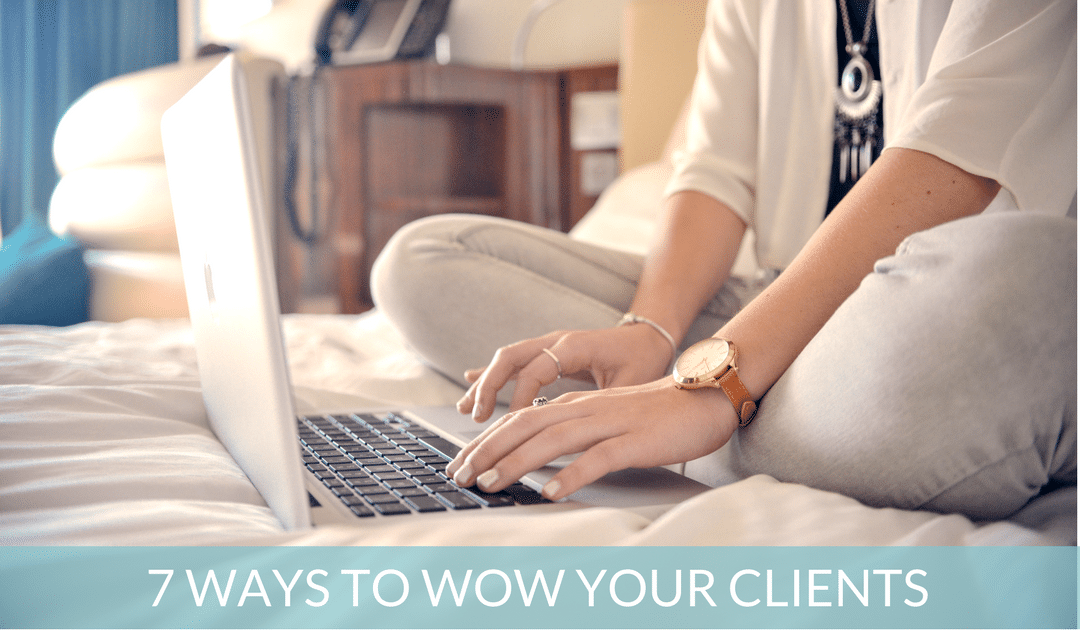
{"x": 404, "y": 140}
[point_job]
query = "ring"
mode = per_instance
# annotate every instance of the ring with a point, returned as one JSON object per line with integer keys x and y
{"x": 554, "y": 358}
{"x": 540, "y": 402}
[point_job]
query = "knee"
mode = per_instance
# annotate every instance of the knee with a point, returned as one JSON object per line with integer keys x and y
{"x": 407, "y": 262}
{"x": 1004, "y": 280}
{"x": 947, "y": 381}
{"x": 991, "y": 304}
{"x": 1022, "y": 258}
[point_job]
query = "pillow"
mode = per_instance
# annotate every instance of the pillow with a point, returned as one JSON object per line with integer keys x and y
{"x": 119, "y": 120}
{"x": 116, "y": 207}
{"x": 43, "y": 279}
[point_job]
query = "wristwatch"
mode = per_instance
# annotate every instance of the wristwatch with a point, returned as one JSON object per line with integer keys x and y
{"x": 711, "y": 363}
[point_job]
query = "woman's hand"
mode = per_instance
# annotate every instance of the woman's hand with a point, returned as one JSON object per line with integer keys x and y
{"x": 609, "y": 357}
{"x": 630, "y": 427}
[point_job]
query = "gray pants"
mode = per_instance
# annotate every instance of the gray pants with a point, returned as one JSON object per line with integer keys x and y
{"x": 947, "y": 381}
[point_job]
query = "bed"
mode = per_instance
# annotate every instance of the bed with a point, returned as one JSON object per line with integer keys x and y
{"x": 104, "y": 441}
{"x": 104, "y": 438}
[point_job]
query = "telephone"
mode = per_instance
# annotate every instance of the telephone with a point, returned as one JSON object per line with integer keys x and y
{"x": 369, "y": 31}
{"x": 353, "y": 32}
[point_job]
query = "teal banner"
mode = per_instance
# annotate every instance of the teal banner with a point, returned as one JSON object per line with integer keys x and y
{"x": 538, "y": 587}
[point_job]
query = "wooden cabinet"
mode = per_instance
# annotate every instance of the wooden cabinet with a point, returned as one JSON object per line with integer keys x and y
{"x": 404, "y": 140}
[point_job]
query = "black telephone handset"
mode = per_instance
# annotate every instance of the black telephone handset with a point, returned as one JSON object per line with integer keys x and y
{"x": 368, "y": 31}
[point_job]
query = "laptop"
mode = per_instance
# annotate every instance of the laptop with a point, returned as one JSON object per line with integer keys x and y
{"x": 322, "y": 466}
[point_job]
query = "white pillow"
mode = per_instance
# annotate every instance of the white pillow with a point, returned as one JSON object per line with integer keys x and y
{"x": 119, "y": 120}
{"x": 135, "y": 284}
{"x": 116, "y": 207}
{"x": 626, "y": 214}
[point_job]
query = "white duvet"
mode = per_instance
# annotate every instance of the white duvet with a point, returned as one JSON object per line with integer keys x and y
{"x": 104, "y": 441}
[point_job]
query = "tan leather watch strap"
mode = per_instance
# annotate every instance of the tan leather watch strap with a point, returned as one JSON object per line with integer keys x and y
{"x": 740, "y": 398}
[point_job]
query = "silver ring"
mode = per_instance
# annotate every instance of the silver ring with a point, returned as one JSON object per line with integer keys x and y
{"x": 554, "y": 358}
{"x": 540, "y": 401}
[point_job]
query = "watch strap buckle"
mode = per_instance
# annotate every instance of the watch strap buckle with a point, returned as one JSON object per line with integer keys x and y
{"x": 740, "y": 398}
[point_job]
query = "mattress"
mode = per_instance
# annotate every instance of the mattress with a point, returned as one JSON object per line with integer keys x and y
{"x": 104, "y": 441}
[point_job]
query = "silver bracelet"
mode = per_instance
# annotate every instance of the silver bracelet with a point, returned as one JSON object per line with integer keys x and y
{"x": 633, "y": 318}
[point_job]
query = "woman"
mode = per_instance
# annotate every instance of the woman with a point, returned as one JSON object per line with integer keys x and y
{"x": 916, "y": 349}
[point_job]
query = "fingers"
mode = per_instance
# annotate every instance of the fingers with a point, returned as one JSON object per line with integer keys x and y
{"x": 503, "y": 435}
{"x": 605, "y": 457}
{"x": 524, "y": 441}
{"x": 479, "y": 400}
{"x": 528, "y": 362}
{"x": 646, "y": 425}
{"x": 607, "y": 357}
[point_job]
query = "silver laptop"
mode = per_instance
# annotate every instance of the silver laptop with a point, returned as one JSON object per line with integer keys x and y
{"x": 313, "y": 468}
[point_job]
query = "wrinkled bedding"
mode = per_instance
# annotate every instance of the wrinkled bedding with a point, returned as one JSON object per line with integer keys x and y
{"x": 104, "y": 441}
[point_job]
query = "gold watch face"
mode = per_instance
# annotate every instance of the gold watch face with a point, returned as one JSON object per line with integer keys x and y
{"x": 703, "y": 361}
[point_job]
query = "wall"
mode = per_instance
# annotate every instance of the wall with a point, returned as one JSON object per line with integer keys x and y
{"x": 480, "y": 32}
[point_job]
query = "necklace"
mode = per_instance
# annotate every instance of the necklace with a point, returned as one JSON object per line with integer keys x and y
{"x": 857, "y": 100}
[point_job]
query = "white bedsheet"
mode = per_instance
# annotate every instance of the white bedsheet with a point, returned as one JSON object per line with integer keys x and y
{"x": 104, "y": 440}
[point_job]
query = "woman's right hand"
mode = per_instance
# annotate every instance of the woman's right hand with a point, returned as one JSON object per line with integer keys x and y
{"x": 608, "y": 357}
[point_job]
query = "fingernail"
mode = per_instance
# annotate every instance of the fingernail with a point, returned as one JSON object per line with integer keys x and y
{"x": 461, "y": 477}
{"x": 551, "y": 488}
{"x": 477, "y": 410}
{"x": 488, "y": 479}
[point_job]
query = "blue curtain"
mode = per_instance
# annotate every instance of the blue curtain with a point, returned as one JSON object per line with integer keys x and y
{"x": 51, "y": 52}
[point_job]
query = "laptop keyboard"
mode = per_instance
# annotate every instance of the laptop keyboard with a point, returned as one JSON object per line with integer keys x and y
{"x": 382, "y": 463}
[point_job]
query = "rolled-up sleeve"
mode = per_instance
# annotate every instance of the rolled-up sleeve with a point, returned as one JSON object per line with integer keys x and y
{"x": 721, "y": 144}
{"x": 999, "y": 99}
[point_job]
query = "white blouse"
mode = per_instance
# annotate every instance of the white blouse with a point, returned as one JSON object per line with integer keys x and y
{"x": 988, "y": 85}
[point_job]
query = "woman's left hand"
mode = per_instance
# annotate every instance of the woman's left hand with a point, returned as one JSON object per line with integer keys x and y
{"x": 641, "y": 426}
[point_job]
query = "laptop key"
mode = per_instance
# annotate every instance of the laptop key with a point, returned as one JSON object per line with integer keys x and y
{"x": 380, "y": 497}
{"x": 355, "y": 448}
{"x": 380, "y": 468}
{"x": 442, "y": 445}
{"x": 524, "y": 494}
{"x": 351, "y": 500}
{"x": 424, "y": 503}
{"x": 362, "y": 510}
{"x": 390, "y": 509}
{"x": 487, "y": 499}
{"x": 399, "y": 483}
{"x": 458, "y": 500}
